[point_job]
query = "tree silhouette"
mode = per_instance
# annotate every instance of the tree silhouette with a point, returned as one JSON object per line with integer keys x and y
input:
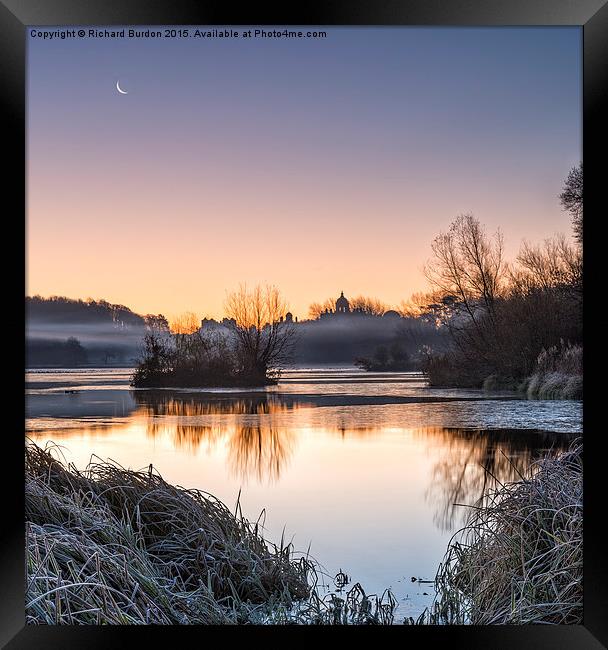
{"x": 571, "y": 199}
{"x": 264, "y": 340}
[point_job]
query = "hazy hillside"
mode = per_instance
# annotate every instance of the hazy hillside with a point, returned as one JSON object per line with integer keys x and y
{"x": 62, "y": 331}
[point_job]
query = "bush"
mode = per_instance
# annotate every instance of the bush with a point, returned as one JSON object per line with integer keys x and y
{"x": 115, "y": 546}
{"x": 111, "y": 545}
{"x": 519, "y": 558}
{"x": 448, "y": 370}
{"x": 558, "y": 373}
{"x": 192, "y": 360}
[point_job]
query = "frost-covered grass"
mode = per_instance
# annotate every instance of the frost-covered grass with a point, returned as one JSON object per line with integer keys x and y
{"x": 558, "y": 373}
{"x": 519, "y": 558}
{"x": 115, "y": 546}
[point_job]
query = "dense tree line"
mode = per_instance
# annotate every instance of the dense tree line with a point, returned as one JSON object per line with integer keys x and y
{"x": 68, "y": 353}
{"x": 107, "y": 333}
{"x": 501, "y": 317}
{"x": 62, "y": 309}
{"x": 59, "y": 309}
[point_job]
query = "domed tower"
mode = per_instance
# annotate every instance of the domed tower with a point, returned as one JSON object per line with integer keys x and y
{"x": 342, "y": 305}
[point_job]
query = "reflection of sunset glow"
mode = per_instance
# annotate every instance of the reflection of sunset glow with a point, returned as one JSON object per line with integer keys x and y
{"x": 320, "y": 478}
{"x": 258, "y": 438}
{"x": 159, "y": 404}
{"x": 471, "y": 461}
{"x": 260, "y": 452}
{"x": 368, "y": 486}
{"x": 254, "y": 451}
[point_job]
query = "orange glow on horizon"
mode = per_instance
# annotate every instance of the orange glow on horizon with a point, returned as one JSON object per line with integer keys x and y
{"x": 317, "y": 170}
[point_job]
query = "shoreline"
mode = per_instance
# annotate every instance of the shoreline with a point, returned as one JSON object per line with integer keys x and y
{"x": 115, "y": 546}
{"x": 167, "y": 555}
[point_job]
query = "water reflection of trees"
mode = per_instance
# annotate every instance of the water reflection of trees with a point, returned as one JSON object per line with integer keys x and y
{"x": 190, "y": 404}
{"x": 259, "y": 440}
{"x": 473, "y": 460}
{"x": 258, "y": 449}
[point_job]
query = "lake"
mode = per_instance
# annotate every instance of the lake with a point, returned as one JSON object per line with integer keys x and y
{"x": 371, "y": 471}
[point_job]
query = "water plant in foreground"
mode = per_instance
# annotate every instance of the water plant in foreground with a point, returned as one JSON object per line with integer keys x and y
{"x": 519, "y": 558}
{"x": 110, "y": 545}
{"x": 558, "y": 373}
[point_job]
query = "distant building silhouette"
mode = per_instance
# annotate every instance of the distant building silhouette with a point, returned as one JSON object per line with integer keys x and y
{"x": 343, "y": 308}
{"x": 342, "y": 305}
{"x": 210, "y": 324}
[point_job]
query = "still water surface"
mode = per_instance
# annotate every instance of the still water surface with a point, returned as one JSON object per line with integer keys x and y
{"x": 364, "y": 468}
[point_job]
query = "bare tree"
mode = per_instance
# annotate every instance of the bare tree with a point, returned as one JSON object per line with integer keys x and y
{"x": 156, "y": 323}
{"x": 571, "y": 199}
{"x": 194, "y": 349}
{"x": 468, "y": 273}
{"x": 317, "y": 308}
{"x": 155, "y": 358}
{"x": 554, "y": 263}
{"x": 264, "y": 339}
{"x": 186, "y": 323}
{"x": 367, "y": 305}
{"x": 468, "y": 265}
{"x": 419, "y": 304}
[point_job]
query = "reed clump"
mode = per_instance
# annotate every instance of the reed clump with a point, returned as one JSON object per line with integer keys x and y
{"x": 519, "y": 558}
{"x": 558, "y": 373}
{"x": 109, "y": 545}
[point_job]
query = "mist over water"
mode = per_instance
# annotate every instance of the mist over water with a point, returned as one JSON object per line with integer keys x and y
{"x": 113, "y": 334}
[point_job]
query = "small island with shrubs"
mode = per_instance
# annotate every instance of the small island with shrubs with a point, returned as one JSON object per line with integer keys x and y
{"x": 250, "y": 352}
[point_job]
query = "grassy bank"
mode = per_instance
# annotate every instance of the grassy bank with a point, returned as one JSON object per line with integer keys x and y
{"x": 558, "y": 373}
{"x": 519, "y": 559}
{"x": 115, "y": 546}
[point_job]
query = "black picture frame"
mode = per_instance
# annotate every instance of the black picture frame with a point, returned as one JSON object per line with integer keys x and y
{"x": 592, "y": 15}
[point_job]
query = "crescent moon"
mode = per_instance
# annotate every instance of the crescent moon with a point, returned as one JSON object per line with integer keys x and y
{"x": 120, "y": 90}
